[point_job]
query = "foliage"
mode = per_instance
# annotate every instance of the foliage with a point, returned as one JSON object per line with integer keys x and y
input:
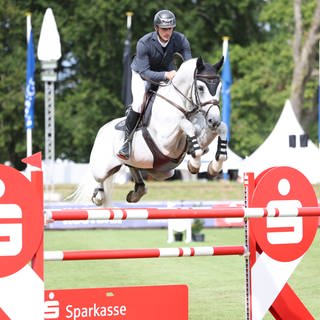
{"x": 197, "y": 226}
{"x": 88, "y": 90}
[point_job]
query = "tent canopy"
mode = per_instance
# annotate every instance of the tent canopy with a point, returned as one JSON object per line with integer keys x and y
{"x": 287, "y": 145}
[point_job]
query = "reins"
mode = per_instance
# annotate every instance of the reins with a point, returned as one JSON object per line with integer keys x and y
{"x": 196, "y": 106}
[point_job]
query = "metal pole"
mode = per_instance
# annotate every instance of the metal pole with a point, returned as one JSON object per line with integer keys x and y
{"x": 49, "y": 76}
{"x": 49, "y": 121}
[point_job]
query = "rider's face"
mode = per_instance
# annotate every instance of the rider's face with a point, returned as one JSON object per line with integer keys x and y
{"x": 164, "y": 33}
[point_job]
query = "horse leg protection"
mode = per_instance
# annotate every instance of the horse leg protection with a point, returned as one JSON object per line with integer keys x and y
{"x": 193, "y": 146}
{"x": 131, "y": 123}
{"x": 221, "y": 149}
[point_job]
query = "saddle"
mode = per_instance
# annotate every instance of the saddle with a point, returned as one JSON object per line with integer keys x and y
{"x": 161, "y": 162}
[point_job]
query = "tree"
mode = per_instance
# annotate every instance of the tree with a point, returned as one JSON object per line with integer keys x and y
{"x": 12, "y": 56}
{"x": 88, "y": 90}
{"x": 263, "y": 76}
{"x": 306, "y": 38}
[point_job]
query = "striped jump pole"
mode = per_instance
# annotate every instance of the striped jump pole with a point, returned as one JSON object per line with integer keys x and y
{"x": 273, "y": 247}
{"x": 144, "y": 253}
{"x": 179, "y": 213}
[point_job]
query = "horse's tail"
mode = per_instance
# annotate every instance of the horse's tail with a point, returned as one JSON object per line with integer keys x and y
{"x": 85, "y": 190}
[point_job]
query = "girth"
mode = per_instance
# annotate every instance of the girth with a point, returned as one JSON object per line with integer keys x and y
{"x": 160, "y": 161}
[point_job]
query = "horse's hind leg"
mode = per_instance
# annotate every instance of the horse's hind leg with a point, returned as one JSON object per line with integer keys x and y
{"x": 99, "y": 196}
{"x": 139, "y": 186}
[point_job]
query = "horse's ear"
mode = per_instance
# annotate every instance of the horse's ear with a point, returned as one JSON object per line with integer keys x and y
{"x": 219, "y": 64}
{"x": 200, "y": 64}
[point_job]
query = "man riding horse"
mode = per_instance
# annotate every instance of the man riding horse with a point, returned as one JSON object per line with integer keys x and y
{"x": 153, "y": 63}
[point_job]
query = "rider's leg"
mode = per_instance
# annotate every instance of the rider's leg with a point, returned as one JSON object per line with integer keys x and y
{"x": 131, "y": 122}
{"x": 138, "y": 90}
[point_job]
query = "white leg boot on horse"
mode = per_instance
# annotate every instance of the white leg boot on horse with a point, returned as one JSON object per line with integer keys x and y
{"x": 215, "y": 167}
{"x": 98, "y": 195}
{"x": 196, "y": 152}
{"x": 131, "y": 123}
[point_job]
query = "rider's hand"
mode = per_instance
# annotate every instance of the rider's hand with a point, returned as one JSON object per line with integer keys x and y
{"x": 170, "y": 74}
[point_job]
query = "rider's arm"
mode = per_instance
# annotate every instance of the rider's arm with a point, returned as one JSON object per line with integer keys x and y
{"x": 143, "y": 65}
{"x": 186, "y": 49}
{"x": 181, "y": 45}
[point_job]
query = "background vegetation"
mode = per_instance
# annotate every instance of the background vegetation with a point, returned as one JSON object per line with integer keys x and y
{"x": 88, "y": 92}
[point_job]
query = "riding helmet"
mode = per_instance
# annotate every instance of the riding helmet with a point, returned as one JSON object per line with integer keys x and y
{"x": 164, "y": 19}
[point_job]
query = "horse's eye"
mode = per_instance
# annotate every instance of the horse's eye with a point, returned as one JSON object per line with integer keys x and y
{"x": 201, "y": 89}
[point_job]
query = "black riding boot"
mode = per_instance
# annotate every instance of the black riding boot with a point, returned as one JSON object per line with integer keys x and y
{"x": 131, "y": 122}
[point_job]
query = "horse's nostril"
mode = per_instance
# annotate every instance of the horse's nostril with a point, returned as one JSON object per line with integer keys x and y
{"x": 213, "y": 124}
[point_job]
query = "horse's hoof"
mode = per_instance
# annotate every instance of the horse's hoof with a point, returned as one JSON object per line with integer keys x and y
{"x": 97, "y": 202}
{"x": 135, "y": 196}
{"x": 192, "y": 169}
{"x": 213, "y": 173}
{"x": 98, "y": 196}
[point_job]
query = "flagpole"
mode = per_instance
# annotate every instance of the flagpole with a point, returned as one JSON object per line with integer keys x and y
{"x": 129, "y": 19}
{"x": 225, "y": 44}
{"x": 319, "y": 96}
{"x": 226, "y": 78}
{"x": 126, "y": 78}
{"x": 29, "y": 130}
{"x": 226, "y": 85}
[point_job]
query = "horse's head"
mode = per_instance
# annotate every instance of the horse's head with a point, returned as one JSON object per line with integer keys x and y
{"x": 198, "y": 84}
{"x": 208, "y": 75}
{"x": 206, "y": 91}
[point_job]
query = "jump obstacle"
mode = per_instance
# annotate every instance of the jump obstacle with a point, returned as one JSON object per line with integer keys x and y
{"x": 281, "y": 217}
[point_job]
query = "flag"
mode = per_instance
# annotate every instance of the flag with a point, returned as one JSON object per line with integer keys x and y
{"x": 319, "y": 113}
{"x": 30, "y": 83}
{"x": 126, "y": 78}
{"x": 226, "y": 96}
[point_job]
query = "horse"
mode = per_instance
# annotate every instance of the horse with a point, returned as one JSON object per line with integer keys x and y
{"x": 184, "y": 119}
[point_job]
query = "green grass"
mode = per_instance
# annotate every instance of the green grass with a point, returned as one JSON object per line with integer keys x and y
{"x": 216, "y": 284}
{"x": 179, "y": 190}
{"x": 174, "y": 190}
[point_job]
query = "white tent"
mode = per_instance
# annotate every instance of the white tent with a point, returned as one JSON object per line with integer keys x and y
{"x": 287, "y": 145}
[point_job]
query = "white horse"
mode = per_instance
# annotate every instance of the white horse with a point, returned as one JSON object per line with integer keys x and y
{"x": 184, "y": 117}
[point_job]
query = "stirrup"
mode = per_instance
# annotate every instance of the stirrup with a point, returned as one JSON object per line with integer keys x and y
{"x": 124, "y": 152}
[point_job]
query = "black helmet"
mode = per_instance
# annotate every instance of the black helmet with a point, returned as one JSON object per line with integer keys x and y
{"x": 164, "y": 19}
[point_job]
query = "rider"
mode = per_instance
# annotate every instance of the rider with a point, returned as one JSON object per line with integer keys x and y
{"x": 153, "y": 62}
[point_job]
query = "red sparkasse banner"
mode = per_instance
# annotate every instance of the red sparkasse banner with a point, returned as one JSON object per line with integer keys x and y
{"x": 168, "y": 302}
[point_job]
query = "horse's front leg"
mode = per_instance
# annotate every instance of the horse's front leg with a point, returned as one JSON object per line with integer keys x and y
{"x": 193, "y": 146}
{"x": 215, "y": 166}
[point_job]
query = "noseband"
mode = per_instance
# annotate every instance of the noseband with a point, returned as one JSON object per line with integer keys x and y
{"x": 206, "y": 113}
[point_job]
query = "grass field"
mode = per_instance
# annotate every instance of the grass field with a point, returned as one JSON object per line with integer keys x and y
{"x": 216, "y": 284}
{"x": 179, "y": 190}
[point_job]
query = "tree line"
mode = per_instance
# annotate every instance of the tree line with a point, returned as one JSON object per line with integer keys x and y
{"x": 273, "y": 52}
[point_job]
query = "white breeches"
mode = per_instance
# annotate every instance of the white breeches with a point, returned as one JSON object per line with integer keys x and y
{"x": 138, "y": 89}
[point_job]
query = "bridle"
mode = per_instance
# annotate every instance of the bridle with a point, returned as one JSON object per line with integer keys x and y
{"x": 197, "y": 105}
{"x": 206, "y": 79}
